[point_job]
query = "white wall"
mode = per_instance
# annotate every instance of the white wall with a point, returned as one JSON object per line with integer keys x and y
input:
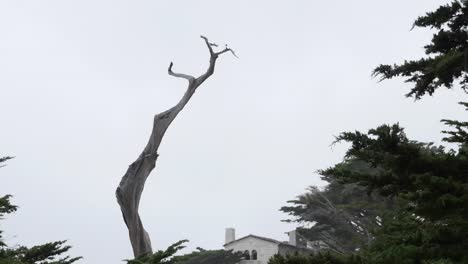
{"x": 265, "y": 250}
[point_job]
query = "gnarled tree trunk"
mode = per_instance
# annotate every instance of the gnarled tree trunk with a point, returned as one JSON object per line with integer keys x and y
{"x": 131, "y": 186}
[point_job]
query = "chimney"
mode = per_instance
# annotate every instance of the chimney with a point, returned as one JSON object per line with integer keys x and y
{"x": 292, "y": 238}
{"x": 230, "y": 235}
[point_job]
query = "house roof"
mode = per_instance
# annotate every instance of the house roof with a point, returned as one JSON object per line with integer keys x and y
{"x": 279, "y": 243}
{"x": 257, "y": 237}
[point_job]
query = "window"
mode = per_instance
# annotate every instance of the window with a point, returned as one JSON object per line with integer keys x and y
{"x": 246, "y": 255}
{"x": 254, "y": 254}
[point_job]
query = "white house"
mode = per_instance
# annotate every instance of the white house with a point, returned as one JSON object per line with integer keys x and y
{"x": 258, "y": 250}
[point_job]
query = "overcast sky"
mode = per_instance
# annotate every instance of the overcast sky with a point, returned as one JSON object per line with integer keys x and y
{"x": 81, "y": 80}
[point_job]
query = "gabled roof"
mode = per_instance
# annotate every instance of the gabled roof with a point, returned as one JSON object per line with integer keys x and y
{"x": 257, "y": 237}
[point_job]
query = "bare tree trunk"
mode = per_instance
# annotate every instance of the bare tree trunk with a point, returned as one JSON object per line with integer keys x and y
{"x": 131, "y": 186}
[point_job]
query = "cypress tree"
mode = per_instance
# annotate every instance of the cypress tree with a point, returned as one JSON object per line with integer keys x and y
{"x": 429, "y": 182}
{"x": 48, "y": 253}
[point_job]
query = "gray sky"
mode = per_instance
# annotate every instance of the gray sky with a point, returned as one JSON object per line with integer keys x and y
{"x": 81, "y": 80}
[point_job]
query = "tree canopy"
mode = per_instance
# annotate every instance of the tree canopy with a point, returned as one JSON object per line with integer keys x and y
{"x": 48, "y": 253}
{"x": 341, "y": 217}
{"x": 429, "y": 182}
{"x": 445, "y": 63}
{"x": 200, "y": 256}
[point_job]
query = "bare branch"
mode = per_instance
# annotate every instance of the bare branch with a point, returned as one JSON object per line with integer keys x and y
{"x": 233, "y": 53}
{"x": 180, "y": 75}
{"x": 208, "y": 44}
{"x": 213, "y": 57}
{"x": 226, "y": 50}
{"x": 3, "y": 159}
{"x": 131, "y": 186}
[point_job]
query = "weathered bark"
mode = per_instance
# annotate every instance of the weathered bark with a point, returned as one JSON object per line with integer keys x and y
{"x": 131, "y": 186}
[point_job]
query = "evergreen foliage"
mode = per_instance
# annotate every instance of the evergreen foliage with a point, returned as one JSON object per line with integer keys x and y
{"x": 433, "y": 223}
{"x": 160, "y": 256}
{"x": 200, "y": 256}
{"x": 446, "y": 62}
{"x": 49, "y": 253}
{"x": 341, "y": 216}
{"x": 429, "y": 182}
{"x": 203, "y": 256}
{"x": 320, "y": 258}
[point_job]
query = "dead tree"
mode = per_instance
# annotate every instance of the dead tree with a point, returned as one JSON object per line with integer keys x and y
{"x": 131, "y": 186}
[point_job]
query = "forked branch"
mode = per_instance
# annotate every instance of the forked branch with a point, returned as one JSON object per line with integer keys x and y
{"x": 131, "y": 186}
{"x": 180, "y": 75}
